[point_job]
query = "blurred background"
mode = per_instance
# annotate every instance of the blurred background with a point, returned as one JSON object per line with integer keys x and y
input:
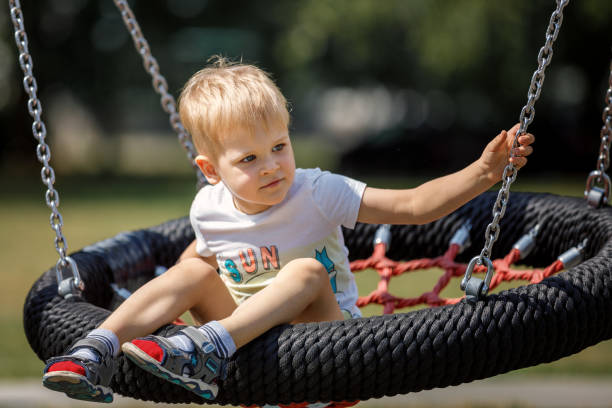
{"x": 393, "y": 92}
{"x": 376, "y": 87}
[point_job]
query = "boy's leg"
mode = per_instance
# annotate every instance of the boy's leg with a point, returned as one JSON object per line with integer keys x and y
{"x": 300, "y": 292}
{"x": 160, "y": 301}
{"x": 190, "y": 285}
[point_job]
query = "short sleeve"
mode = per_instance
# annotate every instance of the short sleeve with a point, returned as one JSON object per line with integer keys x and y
{"x": 201, "y": 245}
{"x": 337, "y": 197}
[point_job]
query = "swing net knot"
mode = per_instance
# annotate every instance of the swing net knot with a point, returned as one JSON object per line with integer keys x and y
{"x": 505, "y": 268}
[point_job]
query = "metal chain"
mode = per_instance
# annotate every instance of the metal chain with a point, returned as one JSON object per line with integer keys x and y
{"x": 160, "y": 85}
{"x": 43, "y": 151}
{"x": 526, "y": 117}
{"x": 603, "y": 160}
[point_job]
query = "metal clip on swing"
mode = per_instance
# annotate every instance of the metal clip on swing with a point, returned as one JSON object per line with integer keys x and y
{"x": 527, "y": 242}
{"x": 72, "y": 286}
{"x": 475, "y": 287}
{"x": 462, "y": 236}
{"x": 596, "y": 196}
{"x": 574, "y": 255}
{"x": 383, "y": 235}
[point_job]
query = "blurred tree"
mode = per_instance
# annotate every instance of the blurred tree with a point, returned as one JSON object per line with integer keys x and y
{"x": 470, "y": 61}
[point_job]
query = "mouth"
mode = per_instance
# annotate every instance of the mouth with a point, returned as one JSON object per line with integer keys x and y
{"x": 273, "y": 184}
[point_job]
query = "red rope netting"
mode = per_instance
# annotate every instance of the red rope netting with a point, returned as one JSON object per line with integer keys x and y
{"x": 503, "y": 267}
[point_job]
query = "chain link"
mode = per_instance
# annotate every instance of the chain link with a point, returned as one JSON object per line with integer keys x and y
{"x": 526, "y": 117}
{"x": 603, "y": 159}
{"x": 39, "y": 131}
{"x": 160, "y": 85}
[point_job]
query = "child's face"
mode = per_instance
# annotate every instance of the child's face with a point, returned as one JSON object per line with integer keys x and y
{"x": 257, "y": 167}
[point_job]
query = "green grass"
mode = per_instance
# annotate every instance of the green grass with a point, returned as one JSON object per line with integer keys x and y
{"x": 98, "y": 208}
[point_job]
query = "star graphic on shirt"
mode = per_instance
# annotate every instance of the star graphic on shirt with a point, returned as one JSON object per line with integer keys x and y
{"x": 329, "y": 266}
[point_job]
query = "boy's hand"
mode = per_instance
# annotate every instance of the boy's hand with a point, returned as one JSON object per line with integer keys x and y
{"x": 495, "y": 156}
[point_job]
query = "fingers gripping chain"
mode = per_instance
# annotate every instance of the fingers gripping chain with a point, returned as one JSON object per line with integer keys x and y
{"x": 510, "y": 172}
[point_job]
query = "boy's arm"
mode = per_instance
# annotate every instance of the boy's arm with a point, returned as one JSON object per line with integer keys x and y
{"x": 425, "y": 203}
{"x": 190, "y": 252}
{"x": 441, "y": 196}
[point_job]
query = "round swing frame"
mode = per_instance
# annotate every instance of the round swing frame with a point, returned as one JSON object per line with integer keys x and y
{"x": 375, "y": 356}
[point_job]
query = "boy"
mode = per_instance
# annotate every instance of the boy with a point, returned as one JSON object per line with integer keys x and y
{"x": 273, "y": 232}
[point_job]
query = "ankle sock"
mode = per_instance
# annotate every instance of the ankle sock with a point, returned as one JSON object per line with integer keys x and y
{"x": 107, "y": 337}
{"x": 220, "y": 337}
{"x": 183, "y": 342}
{"x": 87, "y": 353}
{"x": 217, "y": 334}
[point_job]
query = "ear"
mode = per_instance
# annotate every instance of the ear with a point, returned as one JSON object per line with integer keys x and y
{"x": 208, "y": 169}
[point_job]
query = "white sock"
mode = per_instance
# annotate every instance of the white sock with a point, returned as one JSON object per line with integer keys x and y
{"x": 215, "y": 332}
{"x": 183, "y": 342}
{"x": 220, "y": 337}
{"x": 87, "y": 353}
{"x": 107, "y": 337}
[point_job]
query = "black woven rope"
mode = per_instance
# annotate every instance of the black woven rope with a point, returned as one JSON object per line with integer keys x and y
{"x": 370, "y": 357}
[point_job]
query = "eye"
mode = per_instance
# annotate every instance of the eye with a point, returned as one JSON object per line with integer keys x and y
{"x": 248, "y": 158}
{"x": 278, "y": 147}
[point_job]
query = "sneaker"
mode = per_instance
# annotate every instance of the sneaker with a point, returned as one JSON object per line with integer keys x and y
{"x": 197, "y": 371}
{"x": 81, "y": 378}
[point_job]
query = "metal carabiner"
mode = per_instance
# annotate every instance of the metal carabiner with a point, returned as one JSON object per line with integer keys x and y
{"x": 527, "y": 242}
{"x": 383, "y": 235}
{"x": 595, "y": 196}
{"x": 71, "y": 286}
{"x": 475, "y": 288}
{"x": 461, "y": 237}
{"x": 573, "y": 256}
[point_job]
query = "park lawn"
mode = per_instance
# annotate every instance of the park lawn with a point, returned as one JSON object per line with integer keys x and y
{"x": 98, "y": 208}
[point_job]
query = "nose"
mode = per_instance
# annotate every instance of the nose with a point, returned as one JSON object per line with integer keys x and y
{"x": 269, "y": 165}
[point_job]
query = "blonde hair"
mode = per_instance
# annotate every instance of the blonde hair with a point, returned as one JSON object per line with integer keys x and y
{"x": 225, "y": 96}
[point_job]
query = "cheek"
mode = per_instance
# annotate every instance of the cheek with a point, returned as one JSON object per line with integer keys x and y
{"x": 245, "y": 179}
{"x": 288, "y": 162}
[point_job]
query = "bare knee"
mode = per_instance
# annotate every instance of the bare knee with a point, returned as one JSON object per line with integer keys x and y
{"x": 308, "y": 269}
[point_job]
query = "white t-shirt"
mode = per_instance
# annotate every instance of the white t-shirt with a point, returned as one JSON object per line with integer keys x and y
{"x": 251, "y": 249}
